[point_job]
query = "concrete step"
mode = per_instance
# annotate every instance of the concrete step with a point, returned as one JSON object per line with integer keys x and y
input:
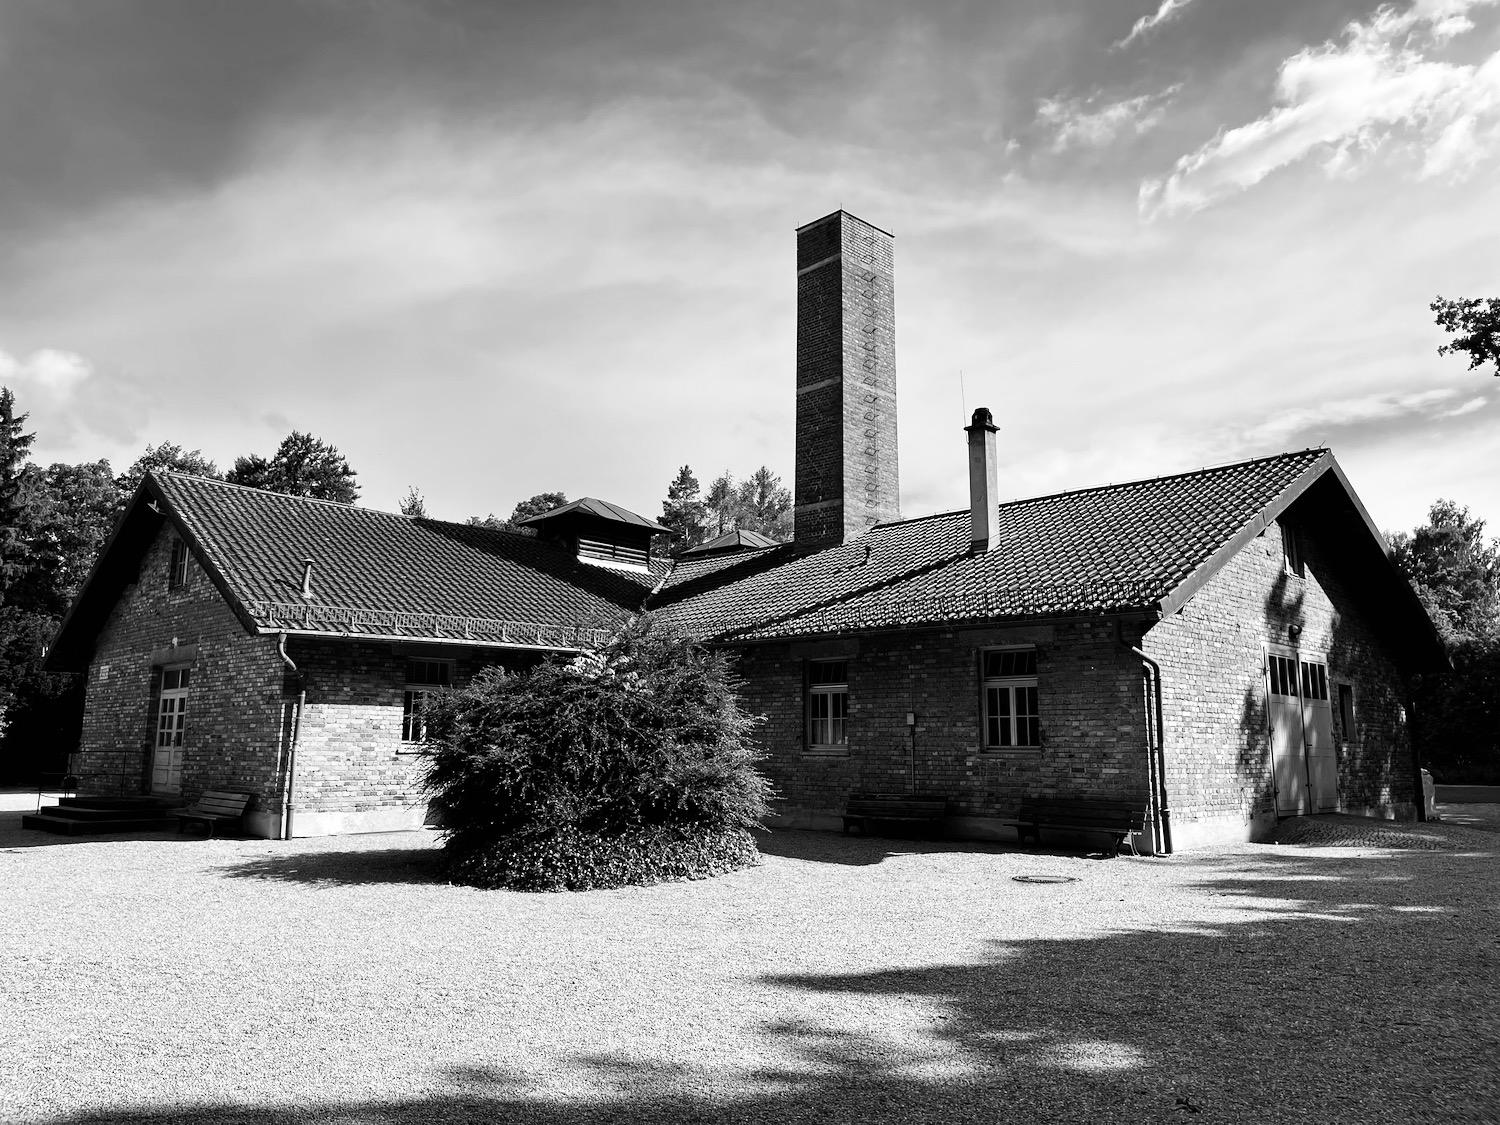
{"x": 90, "y": 812}
{"x": 121, "y": 803}
{"x": 73, "y": 826}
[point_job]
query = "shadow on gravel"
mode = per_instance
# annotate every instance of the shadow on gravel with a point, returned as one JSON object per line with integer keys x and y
{"x": 13, "y": 836}
{"x": 353, "y": 868}
{"x": 1332, "y": 988}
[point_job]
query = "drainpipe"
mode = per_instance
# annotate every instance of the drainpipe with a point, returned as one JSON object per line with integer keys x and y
{"x": 1156, "y": 757}
{"x": 291, "y": 754}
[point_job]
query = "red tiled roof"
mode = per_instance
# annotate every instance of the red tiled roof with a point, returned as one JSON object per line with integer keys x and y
{"x": 375, "y": 572}
{"x": 1097, "y": 550}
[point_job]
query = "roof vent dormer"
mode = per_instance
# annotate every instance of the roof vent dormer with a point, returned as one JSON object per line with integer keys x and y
{"x": 599, "y": 533}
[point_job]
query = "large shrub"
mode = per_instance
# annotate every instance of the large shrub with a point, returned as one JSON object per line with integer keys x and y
{"x": 630, "y": 763}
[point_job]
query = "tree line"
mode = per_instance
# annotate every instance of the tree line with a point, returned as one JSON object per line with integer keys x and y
{"x": 54, "y": 519}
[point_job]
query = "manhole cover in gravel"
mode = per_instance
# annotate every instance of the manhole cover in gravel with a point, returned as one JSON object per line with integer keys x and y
{"x": 1043, "y": 879}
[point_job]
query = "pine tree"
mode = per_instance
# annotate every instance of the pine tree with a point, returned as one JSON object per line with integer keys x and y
{"x": 302, "y": 466}
{"x": 723, "y": 503}
{"x": 684, "y": 512}
{"x": 16, "y": 486}
{"x": 765, "y": 505}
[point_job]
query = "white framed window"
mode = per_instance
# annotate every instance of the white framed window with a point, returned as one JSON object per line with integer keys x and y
{"x": 828, "y": 704}
{"x": 423, "y": 677}
{"x": 1012, "y": 719}
{"x": 171, "y": 707}
{"x": 177, "y": 567}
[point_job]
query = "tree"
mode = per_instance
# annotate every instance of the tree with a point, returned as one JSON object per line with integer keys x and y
{"x": 302, "y": 466}
{"x": 1457, "y": 576}
{"x": 169, "y": 456}
{"x": 74, "y": 511}
{"x": 1453, "y": 570}
{"x": 684, "y": 512}
{"x": 1475, "y": 326}
{"x": 765, "y": 505}
{"x": 629, "y": 764}
{"x": 540, "y": 504}
{"x": 412, "y": 504}
{"x": 723, "y": 503}
{"x": 16, "y": 487}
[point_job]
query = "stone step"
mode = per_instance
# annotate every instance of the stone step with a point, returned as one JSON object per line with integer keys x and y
{"x": 68, "y": 826}
{"x": 94, "y": 812}
{"x": 120, "y": 802}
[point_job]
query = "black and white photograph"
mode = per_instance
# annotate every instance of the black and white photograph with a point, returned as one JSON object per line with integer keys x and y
{"x": 825, "y": 563}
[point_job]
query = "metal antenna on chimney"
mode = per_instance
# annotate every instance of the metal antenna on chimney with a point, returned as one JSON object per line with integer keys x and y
{"x": 963, "y": 399}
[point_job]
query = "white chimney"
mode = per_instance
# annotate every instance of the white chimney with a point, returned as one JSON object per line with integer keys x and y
{"x": 984, "y": 499}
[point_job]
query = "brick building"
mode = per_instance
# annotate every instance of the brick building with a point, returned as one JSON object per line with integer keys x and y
{"x": 1228, "y": 645}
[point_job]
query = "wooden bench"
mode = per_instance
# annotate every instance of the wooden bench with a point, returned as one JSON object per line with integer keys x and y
{"x": 864, "y": 808}
{"x": 213, "y": 808}
{"x": 1117, "y": 819}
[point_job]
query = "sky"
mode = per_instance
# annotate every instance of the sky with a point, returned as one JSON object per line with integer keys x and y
{"x": 492, "y": 249}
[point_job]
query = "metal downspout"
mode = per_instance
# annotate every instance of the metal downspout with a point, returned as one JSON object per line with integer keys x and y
{"x": 291, "y": 754}
{"x": 1157, "y": 756}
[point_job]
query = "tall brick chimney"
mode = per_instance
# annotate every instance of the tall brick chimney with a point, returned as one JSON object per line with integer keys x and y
{"x": 847, "y": 474}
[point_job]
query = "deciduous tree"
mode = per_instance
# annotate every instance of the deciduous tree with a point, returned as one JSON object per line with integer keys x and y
{"x": 1474, "y": 323}
{"x": 1456, "y": 573}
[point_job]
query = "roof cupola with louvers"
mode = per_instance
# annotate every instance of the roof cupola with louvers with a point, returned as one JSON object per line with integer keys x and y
{"x": 599, "y": 532}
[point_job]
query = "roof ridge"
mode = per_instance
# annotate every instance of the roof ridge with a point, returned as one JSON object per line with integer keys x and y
{"x": 1200, "y": 471}
{"x": 272, "y": 492}
{"x": 342, "y": 506}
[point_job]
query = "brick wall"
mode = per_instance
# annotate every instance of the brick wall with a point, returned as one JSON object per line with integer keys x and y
{"x": 1093, "y": 708}
{"x": 236, "y": 714}
{"x": 1092, "y": 720}
{"x": 1212, "y": 653}
{"x": 847, "y": 471}
{"x": 352, "y": 773}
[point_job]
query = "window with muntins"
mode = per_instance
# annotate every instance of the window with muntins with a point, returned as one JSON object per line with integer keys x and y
{"x": 828, "y": 704}
{"x": 171, "y": 707}
{"x": 1012, "y": 719}
{"x": 177, "y": 568}
{"x": 423, "y": 677}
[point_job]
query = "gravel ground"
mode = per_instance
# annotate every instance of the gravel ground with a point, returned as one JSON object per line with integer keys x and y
{"x": 1349, "y": 978}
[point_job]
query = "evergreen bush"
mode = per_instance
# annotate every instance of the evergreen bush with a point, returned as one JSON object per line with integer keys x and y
{"x": 628, "y": 764}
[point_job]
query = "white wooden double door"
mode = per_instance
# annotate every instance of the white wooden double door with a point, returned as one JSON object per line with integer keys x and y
{"x": 1304, "y": 761}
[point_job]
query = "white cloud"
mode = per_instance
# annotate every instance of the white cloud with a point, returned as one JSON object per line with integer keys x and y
{"x": 1467, "y": 408}
{"x": 1310, "y": 424}
{"x": 69, "y": 401}
{"x": 1168, "y": 9}
{"x": 1077, "y": 124}
{"x": 1382, "y": 84}
{"x": 55, "y": 374}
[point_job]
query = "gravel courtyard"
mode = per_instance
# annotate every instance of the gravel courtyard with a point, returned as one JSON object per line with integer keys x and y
{"x": 333, "y": 980}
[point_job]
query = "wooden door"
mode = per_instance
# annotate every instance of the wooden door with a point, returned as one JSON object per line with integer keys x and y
{"x": 1317, "y": 727}
{"x": 1288, "y": 755}
{"x": 171, "y": 727}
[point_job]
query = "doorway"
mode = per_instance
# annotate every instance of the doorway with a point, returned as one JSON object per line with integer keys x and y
{"x": 1317, "y": 736}
{"x": 171, "y": 725}
{"x": 1288, "y": 752}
